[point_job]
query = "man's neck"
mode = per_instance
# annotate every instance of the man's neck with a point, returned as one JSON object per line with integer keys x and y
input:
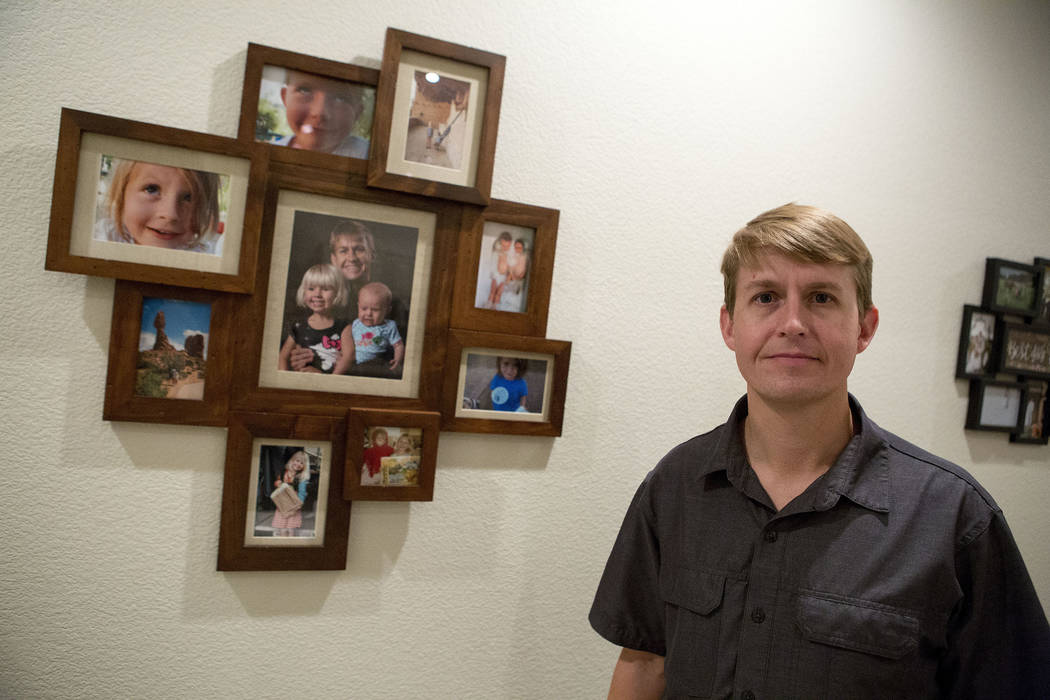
{"x": 790, "y": 445}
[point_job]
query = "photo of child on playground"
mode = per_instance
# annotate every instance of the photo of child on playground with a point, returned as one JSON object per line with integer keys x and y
{"x": 437, "y": 124}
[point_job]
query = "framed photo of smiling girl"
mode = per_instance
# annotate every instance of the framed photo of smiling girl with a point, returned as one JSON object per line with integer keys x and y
{"x": 154, "y": 204}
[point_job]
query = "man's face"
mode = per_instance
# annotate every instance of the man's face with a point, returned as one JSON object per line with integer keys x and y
{"x": 353, "y": 257}
{"x": 796, "y": 329}
{"x": 320, "y": 111}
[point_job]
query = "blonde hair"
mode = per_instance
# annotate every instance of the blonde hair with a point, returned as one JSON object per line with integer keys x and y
{"x": 804, "y": 233}
{"x": 204, "y": 188}
{"x": 406, "y": 437}
{"x": 376, "y": 431}
{"x": 324, "y": 276}
{"x": 304, "y": 475}
{"x": 352, "y": 229}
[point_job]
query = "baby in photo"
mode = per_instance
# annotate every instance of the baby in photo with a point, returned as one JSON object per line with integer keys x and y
{"x": 161, "y": 206}
{"x": 378, "y": 347}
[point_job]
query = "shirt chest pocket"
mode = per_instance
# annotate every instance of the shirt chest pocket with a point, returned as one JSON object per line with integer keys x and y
{"x": 851, "y": 646}
{"x": 694, "y": 608}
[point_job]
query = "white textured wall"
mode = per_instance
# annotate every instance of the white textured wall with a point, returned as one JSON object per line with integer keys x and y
{"x": 657, "y": 129}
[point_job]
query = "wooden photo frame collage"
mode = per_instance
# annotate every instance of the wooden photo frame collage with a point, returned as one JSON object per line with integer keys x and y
{"x": 311, "y": 284}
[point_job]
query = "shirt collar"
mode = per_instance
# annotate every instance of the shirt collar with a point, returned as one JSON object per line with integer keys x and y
{"x": 860, "y": 473}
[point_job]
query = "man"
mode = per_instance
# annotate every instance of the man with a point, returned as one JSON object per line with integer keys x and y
{"x": 799, "y": 550}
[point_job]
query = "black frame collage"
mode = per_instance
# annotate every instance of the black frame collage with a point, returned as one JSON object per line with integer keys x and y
{"x": 1004, "y": 351}
{"x": 335, "y": 286}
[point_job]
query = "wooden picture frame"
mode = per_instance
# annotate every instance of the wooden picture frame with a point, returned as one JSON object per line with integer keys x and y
{"x": 251, "y": 538}
{"x": 486, "y": 299}
{"x": 469, "y": 396}
{"x": 1024, "y": 349}
{"x": 300, "y": 207}
{"x": 84, "y": 237}
{"x": 1035, "y": 426}
{"x": 437, "y": 114}
{"x": 995, "y": 406}
{"x": 1042, "y": 308}
{"x": 977, "y": 343}
{"x": 1010, "y": 287}
{"x": 341, "y": 88}
{"x": 182, "y": 380}
{"x": 393, "y": 466}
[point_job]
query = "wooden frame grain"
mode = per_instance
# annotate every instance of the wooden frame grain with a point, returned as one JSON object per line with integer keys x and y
{"x": 122, "y": 403}
{"x": 465, "y": 313}
{"x": 74, "y": 128}
{"x": 251, "y": 312}
{"x": 258, "y": 57}
{"x": 380, "y": 174}
{"x": 462, "y": 344}
{"x": 244, "y": 429}
{"x": 359, "y": 421}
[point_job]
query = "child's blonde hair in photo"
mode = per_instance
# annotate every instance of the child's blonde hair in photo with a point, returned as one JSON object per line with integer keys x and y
{"x": 204, "y": 188}
{"x": 324, "y": 276}
{"x": 304, "y": 475}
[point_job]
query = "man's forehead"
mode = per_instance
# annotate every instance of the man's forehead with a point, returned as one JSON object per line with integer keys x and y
{"x": 769, "y": 266}
{"x": 349, "y": 239}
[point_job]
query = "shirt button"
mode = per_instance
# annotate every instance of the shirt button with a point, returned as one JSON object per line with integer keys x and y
{"x": 771, "y": 535}
{"x": 747, "y": 695}
{"x": 758, "y": 615}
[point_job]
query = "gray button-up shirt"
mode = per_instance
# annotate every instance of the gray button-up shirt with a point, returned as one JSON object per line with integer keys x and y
{"x": 894, "y": 575}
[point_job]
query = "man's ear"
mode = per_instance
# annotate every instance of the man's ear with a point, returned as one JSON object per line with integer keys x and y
{"x": 869, "y": 322}
{"x": 726, "y": 322}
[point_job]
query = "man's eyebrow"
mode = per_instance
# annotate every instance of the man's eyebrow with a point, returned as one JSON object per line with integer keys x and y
{"x": 770, "y": 283}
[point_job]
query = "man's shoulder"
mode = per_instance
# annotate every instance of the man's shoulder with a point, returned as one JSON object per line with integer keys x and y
{"x": 906, "y": 459}
{"x": 693, "y": 456}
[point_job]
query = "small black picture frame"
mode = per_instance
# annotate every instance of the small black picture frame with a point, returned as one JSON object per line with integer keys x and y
{"x": 1010, "y": 287}
{"x": 995, "y": 406}
{"x": 977, "y": 343}
{"x": 1035, "y": 428}
{"x": 1042, "y": 307}
{"x": 1023, "y": 349}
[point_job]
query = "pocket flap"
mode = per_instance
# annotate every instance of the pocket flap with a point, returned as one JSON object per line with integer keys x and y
{"x": 858, "y": 625}
{"x": 699, "y": 591}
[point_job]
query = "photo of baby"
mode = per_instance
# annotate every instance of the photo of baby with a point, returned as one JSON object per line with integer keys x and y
{"x": 286, "y": 491}
{"x": 315, "y": 113}
{"x": 437, "y": 124}
{"x": 160, "y": 206}
{"x": 173, "y": 349}
{"x": 391, "y": 456}
{"x": 503, "y": 267}
{"x": 504, "y": 383}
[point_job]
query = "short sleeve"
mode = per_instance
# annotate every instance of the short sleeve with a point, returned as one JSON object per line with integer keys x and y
{"x": 395, "y": 337}
{"x": 998, "y": 636}
{"x": 627, "y": 609}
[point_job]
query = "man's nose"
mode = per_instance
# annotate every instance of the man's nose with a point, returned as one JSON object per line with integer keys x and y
{"x": 793, "y": 317}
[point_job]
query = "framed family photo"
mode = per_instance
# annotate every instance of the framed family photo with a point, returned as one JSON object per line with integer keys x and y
{"x": 437, "y": 114}
{"x": 1042, "y": 310}
{"x": 391, "y": 455}
{"x": 352, "y": 302}
{"x": 995, "y": 405}
{"x": 505, "y": 384}
{"x": 1033, "y": 415}
{"x": 312, "y": 111}
{"x": 1024, "y": 350}
{"x": 503, "y": 276}
{"x": 1010, "y": 287}
{"x": 169, "y": 359}
{"x": 977, "y": 344}
{"x": 155, "y": 204}
{"x": 281, "y": 502}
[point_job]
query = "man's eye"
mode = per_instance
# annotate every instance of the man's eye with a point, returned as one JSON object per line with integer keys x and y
{"x": 764, "y": 298}
{"x": 822, "y": 298}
